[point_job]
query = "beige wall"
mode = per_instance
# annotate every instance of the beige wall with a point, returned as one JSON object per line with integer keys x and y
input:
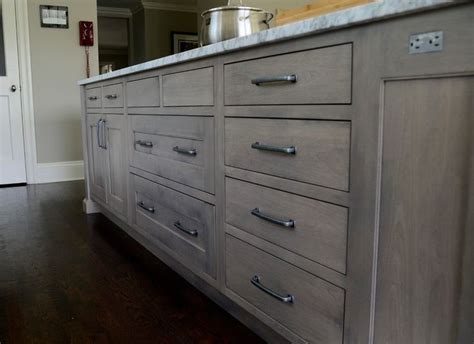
{"x": 158, "y": 27}
{"x": 58, "y": 62}
{"x": 152, "y": 32}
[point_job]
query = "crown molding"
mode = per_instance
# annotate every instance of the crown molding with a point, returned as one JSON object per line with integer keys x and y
{"x": 149, "y": 5}
{"x": 114, "y": 12}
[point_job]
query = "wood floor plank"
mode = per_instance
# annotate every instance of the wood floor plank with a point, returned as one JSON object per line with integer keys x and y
{"x": 66, "y": 277}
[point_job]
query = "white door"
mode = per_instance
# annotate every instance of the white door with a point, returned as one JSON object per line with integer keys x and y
{"x": 12, "y": 152}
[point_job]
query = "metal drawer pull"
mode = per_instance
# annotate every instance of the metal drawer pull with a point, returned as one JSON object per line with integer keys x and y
{"x": 286, "y": 150}
{"x": 111, "y": 96}
{"x": 92, "y": 98}
{"x": 184, "y": 151}
{"x": 192, "y": 232}
{"x": 283, "y": 78}
{"x": 104, "y": 134}
{"x": 99, "y": 133}
{"x": 285, "y": 223}
{"x": 143, "y": 206}
{"x": 286, "y": 299}
{"x": 144, "y": 143}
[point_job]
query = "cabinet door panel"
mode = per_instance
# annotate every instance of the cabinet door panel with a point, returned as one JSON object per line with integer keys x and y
{"x": 116, "y": 164}
{"x": 97, "y": 165}
{"x": 427, "y": 148}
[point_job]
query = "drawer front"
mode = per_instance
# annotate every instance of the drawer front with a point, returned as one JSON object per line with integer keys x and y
{"x": 183, "y": 224}
{"x": 113, "y": 96}
{"x": 180, "y": 148}
{"x": 317, "y": 311}
{"x": 310, "y": 228}
{"x": 321, "y": 155}
{"x": 143, "y": 92}
{"x": 190, "y": 88}
{"x": 323, "y": 76}
{"x": 94, "y": 97}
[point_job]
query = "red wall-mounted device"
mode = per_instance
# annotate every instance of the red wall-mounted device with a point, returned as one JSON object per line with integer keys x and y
{"x": 86, "y": 33}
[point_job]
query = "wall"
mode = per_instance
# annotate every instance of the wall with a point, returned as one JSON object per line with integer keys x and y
{"x": 113, "y": 32}
{"x": 158, "y": 27}
{"x": 113, "y": 41}
{"x": 138, "y": 22}
{"x": 57, "y": 63}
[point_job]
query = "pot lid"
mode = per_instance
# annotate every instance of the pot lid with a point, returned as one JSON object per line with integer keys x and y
{"x": 231, "y": 8}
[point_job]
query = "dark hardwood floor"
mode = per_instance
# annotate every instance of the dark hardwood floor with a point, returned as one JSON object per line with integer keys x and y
{"x": 66, "y": 277}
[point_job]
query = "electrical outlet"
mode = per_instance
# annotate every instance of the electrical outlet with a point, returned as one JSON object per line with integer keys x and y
{"x": 425, "y": 42}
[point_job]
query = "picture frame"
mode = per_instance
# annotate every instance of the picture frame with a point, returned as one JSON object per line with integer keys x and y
{"x": 183, "y": 41}
{"x": 54, "y": 16}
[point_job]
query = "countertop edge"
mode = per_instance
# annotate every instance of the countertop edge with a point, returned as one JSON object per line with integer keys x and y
{"x": 334, "y": 21}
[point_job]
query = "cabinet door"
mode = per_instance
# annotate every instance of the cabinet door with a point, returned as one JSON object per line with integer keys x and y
{"x": 97, "y": 162}
{"x": 116, "y": 165}
{"x": 424, "y": 209}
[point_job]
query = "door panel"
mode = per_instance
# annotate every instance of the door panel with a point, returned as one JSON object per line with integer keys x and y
{"x": 97, "y": 163}
{"x": 116, "y": 164}
{"x": 427, "y": 153}
{"x": 12, "y": 151}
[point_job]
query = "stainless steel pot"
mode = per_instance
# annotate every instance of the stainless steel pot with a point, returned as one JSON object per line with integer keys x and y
{"x": 226, "y": 22}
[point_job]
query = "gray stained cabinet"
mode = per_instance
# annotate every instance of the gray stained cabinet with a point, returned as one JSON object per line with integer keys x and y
{"x": 97, "y": 157}
{"x": 183, "y": 225}
{"x": 107, "y": 162}
{"x": 317, "y": 76}
{"x": 428, "y": 129}
{"x": 320, "y": 189}
{"x": 180, "y": 148}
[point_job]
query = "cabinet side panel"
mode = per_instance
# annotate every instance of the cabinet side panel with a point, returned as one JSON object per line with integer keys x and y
{"x": 427, "y": 138}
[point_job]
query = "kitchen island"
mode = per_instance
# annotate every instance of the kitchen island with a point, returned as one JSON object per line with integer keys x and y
{"x": 316, "y": 179}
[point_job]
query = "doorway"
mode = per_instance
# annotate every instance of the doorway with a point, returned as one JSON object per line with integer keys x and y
{"x": 114, "y": 42}
{"x": 12, "y": 149}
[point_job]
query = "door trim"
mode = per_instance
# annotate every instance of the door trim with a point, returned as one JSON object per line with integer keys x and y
{"x": 26, "y": 89}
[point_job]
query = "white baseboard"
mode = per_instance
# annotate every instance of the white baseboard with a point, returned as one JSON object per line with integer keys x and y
{"x": 59, "y": 171}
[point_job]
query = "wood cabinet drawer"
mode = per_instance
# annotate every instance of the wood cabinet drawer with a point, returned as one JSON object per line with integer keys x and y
{"x": 318, "y": 76}
{"x": 113, "y": 96}
{"x": 310, "y": 151}
{"x": 180, "y": 148}
{"x": 143, "y": 92}
{"x": 317, "y": 311}
{"x": 94, "y": 97}
{"x": 183, "y": 224}
{"x": 190, "y": 88}
{"x": 310, "y": 228}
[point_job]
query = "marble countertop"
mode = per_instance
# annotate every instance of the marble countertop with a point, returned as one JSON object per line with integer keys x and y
{"x": 376, "y": 11}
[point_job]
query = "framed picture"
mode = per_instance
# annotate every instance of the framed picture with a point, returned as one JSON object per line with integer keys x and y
{"x": 54, "y": 16}
{"x": 182, "y": 41}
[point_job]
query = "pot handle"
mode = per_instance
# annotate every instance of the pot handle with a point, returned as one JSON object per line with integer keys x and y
{"x": 266, "y": 21}
{"x": 230, "y": 1}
